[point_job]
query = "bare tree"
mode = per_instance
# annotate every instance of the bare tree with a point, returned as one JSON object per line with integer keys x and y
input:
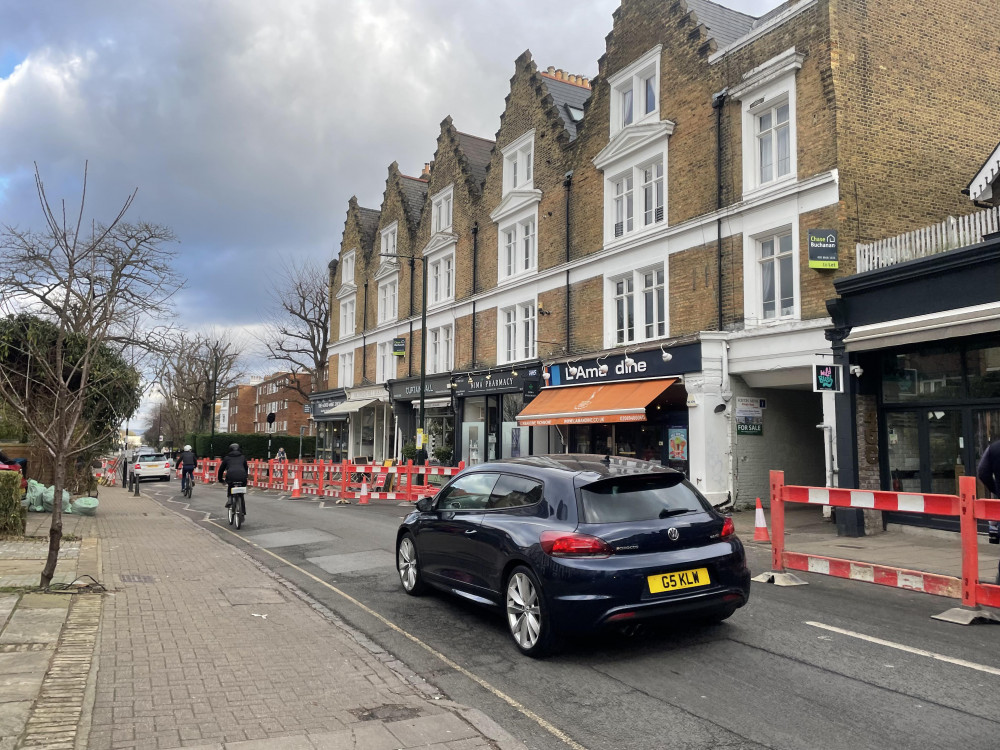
{"x": 298, "y": 328}
{"x": 192, "y": 375}
{"x": 103, "y": 288}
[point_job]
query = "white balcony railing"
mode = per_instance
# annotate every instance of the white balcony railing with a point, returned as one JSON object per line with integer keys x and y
{"x": 950, "y": 234}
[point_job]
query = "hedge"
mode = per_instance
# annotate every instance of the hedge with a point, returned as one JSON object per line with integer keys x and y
{"x": 13, "y": 516}
{"x": 253, "y": 445}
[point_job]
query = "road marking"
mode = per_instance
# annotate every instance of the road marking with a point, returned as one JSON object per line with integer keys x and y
{"x": 521, "y": 708}
{"x": 908, "y": 649}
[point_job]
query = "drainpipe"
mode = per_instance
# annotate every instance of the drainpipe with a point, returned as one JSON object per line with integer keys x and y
{"x": 718, "y": 101}
{"x": 567, "y": 184}
{"x": 364, "y": 337}
{"x": 475, "y": 286}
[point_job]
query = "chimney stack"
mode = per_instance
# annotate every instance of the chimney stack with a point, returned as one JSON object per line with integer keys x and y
{"x": 426, "y": 174}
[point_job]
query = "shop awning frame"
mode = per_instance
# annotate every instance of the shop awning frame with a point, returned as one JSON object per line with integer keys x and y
{"x": 347, "y": 408}
{"x": 593, "y": 403}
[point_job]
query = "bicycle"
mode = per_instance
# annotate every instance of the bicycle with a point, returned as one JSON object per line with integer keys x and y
{"x": 237, "y": 503}
{"x": 188, "y": 481}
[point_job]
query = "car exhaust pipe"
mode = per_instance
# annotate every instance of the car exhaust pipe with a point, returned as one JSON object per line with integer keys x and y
{"x": 633, "y": 630}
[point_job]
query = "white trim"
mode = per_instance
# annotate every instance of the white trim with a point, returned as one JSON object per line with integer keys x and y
{"x": 801, "y": 7}
{"x": 649, "y": 61}
{"x": 631, "y": 140}
{"x": 517, "y": 146}
{"x": 981, "y": 186}
{"x": 964, "y": 321}
{"x": 778, "y": 66}
{"x": 514, "y": 202}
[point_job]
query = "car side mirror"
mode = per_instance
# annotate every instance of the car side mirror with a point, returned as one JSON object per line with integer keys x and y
{"x": 425, "y": 504}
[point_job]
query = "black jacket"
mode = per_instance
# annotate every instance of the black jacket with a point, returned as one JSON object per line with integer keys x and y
{"x": 187, "y": 458}
{"x": 988, "y": 470}
{"x": 234, "y": 466}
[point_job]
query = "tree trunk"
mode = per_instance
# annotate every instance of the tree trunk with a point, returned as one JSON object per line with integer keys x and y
{"x": 55, "y": 530}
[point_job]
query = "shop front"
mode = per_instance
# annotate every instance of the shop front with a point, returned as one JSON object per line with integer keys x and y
{"x": 620, "y": 404}
{"x": 922, "y": 343}
{"x": 439, "y": 415}
{"x": 487, "y": 407}
{"x": 331, "y": 427}
{"x": 370, "y": 424}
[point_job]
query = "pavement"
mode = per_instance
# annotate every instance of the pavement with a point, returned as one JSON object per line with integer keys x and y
{"x": 196, "y": 645}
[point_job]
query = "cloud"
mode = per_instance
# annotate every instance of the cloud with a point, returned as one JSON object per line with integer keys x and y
{"x": 248, "y": 124}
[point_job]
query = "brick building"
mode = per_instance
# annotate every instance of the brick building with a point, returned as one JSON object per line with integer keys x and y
{"x": 276, "y": 394}
{"x": 239, "y": 403}
{"x": 645, "y": 234}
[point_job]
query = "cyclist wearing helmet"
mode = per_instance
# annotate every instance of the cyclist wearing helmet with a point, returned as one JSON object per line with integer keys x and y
{"x": 188, "y": 462}
{"x": 234, "y": 468}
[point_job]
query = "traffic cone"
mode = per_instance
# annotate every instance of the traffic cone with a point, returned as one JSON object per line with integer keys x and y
{"x": 296, "y": 490}
{"x": 760, "y": 525}
{"x": 363, "y": 500}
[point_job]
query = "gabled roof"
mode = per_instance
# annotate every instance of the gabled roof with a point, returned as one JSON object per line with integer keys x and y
{"x": 478, "y": 151}
{"x": 368, "y": 219}
{"x": 567, "y": 95}
{"x": 415, "y": 193}
{"x": 724, "y": 25}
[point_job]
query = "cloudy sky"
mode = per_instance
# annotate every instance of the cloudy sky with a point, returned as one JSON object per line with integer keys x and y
{"x": 247, "y": 125}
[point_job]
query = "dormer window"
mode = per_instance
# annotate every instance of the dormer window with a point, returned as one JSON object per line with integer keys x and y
{"x": 389, "y": 242}
{"x": 347, "y": 268}
{"x": 442, "y": 211}
{"x": 517, "y": 164}
{"x": 635, "y": 92}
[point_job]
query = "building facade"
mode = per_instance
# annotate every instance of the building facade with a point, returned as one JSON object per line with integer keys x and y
{"x": 277, "y": 395}
{"x": 658, "y": 245}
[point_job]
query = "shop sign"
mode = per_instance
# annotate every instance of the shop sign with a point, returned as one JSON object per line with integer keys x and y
{"x": 641, "y": 365}
{"x": 409, "y": 389}
{"x": 823, "y": 248}
{"x": 399, "y": 347}
{"x": 366, "y": 394}
{"x": 504, "y": 381}
{"x": 828, "y": 379}
{"x": 323, "y": 407}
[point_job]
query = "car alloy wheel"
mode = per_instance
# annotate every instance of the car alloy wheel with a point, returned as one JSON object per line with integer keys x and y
{"x": 526, "y": 613}
{"x": 408, "y": 566}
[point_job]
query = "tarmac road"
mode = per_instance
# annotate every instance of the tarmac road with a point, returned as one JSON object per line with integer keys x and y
{"x": 836, "y": 664}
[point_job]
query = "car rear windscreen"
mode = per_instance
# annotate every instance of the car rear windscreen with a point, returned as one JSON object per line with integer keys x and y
{"x": 150, "y": 458}
{"x": 644, "y": 498}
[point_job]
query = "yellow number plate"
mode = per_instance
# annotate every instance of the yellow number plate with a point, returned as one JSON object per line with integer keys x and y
{"x": 683, "y": 579}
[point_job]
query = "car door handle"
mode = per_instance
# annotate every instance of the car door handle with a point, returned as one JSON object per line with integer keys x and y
{"x": 470, "y": 531}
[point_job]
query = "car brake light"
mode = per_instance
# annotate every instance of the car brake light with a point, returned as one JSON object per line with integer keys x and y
{"x": 728, "y": 527}
{"x": 138, "y": 466}
{"x": 569, "y": 544}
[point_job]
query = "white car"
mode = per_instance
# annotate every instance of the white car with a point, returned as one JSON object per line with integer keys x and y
{"x": 151, "y": 466}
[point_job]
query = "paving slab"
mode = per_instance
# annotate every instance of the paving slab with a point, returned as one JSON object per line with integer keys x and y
{"x": 292, "y": 538}
{"x": 13, "y": 717}
{"x": 7, "y": 604}
{"x": 428, "y": 730}
{"x": 36, "y": 624}
{"x": 20, "y": 686}
{"x": 17, "y": 662}
{"x": 349, "y": 562}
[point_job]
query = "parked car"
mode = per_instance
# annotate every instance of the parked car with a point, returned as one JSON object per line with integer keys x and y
{"x": 151, "y": 466}
{"x": 571, "y": 543}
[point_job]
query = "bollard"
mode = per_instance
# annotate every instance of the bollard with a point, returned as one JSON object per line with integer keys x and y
{"x": 135, "y": 481}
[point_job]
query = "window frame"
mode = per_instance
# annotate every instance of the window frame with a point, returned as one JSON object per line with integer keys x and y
{"x": 633, "y": 81}
{"x": 348, "y": 311}
{"x": 762, "y": 90}
{"x": 627, "y": 191}
{"x": 347, "y": 266}
{"x": 517, "y": 331}
{"x": 518, "y": 163}
{"x": 440, "y": 349}
{"x": 774, "y": 260}
{"x": 345, "y": 370}
{"x": 441, "y": 269}
{"x": 443, "y": 206}
{"x": 524, "y": 229}
{"x": 388, "y": 306}
{"x": 637, "y": 294}
{"x": 384, "y": 362}
{"x": 390, "y": 242}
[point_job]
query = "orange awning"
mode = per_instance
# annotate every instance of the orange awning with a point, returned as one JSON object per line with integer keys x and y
{"x": 593, "y": 404}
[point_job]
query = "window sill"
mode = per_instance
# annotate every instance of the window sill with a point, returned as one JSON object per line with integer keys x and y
{"x": 646, "y": 231}
{"x": 516, "y": 277}
{"x": 775, "y": 186}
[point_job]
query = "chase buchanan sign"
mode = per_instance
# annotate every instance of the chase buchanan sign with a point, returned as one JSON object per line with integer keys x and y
{"x": 823, "y": 248}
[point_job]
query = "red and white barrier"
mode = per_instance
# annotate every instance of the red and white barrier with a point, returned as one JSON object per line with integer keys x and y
{"x": 345, "y": 480}
{"x": 968, "y": 588}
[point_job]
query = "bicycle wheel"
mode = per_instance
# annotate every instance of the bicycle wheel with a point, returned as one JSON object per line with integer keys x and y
{"x": 232, "y": 509}
{"x": 240, "y": 512}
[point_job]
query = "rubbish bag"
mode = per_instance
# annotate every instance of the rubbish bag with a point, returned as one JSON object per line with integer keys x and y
{"x": 34, "y": 496}
{"x": 85, "y": 506}
{"x": 48, "y": 498}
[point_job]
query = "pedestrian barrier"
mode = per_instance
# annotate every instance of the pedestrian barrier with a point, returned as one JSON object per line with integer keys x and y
{"x": 973, "y": 593}
{"x": 345, "y": 481}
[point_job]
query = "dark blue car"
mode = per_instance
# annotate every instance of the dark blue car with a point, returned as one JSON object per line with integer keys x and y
{"x": 573, "y": 543}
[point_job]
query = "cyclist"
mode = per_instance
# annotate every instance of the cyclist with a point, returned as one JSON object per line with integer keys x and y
{"x": 188, "y": 462}
{"x": 234, "y": 468}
